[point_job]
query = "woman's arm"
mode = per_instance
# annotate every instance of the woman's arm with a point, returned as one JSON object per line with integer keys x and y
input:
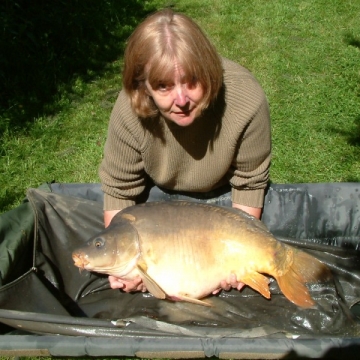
{"x": 254, "y": 211}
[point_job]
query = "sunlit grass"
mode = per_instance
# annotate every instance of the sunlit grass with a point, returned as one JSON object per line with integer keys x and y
{"x": 305, "y": 55}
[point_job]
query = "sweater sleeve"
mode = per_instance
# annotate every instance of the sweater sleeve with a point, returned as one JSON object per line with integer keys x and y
{"x": 249, "y": 173}
{"x": 250, "y": 170}
{"x": 122, "y": 171}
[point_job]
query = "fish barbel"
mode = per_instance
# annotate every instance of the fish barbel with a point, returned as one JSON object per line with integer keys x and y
{"x": 183, "y": 250}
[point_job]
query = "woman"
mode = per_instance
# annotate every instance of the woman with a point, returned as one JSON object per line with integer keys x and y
{"x": 187, "y": 121}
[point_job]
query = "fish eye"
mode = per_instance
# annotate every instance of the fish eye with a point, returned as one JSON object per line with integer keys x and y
{"x": 99, "y": 242}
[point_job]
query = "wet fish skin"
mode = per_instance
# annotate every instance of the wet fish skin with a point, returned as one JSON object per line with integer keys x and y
{"x": 182, "y": 250}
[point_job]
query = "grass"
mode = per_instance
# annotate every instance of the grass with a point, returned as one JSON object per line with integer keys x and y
{"x": 304, "y": 53}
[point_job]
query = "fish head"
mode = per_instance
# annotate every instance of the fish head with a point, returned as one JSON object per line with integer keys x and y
{"x": 114, "y": 251}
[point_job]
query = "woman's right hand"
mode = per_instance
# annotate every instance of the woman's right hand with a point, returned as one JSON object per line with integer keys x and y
{"x": 135, "y": 284}
{"x": 108, "y": 215}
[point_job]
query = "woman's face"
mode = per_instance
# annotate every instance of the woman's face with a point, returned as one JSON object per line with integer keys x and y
{"x": 177, "y": 101}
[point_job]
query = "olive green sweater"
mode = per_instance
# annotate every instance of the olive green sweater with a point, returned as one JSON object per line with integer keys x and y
{"x": 228, "y": 143}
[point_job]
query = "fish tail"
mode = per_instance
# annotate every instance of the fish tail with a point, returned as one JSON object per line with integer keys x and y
{"x": 304, "y": 269}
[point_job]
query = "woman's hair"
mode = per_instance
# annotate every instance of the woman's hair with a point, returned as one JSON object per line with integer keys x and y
{"x": 161, "y": 40}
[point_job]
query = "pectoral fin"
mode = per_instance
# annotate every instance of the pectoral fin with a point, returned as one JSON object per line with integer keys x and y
{"x": 192, "y": 300}
{"x": 150, "y": 284}
{"x": 257, "y": 282}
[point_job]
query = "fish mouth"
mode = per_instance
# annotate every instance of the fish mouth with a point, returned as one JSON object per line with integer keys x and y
{"x": 80, "y": 261}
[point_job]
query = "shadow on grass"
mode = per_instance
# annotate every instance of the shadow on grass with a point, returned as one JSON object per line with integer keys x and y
{"x": 46, "y": 44}
{"x": 9, "y": 197}
{"x": 352, "y": 40}
{"x": 353, "y": 138}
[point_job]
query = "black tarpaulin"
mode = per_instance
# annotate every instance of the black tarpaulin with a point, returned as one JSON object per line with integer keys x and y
{"x": 43, "y": 294}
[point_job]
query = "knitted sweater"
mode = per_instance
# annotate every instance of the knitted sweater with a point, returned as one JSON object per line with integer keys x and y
{"x": 229, "y": 143}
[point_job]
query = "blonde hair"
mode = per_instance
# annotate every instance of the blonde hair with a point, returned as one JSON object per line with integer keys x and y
{"x": 161, "y": 39}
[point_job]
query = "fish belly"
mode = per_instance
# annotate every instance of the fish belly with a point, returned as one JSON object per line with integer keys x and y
{"x": 194, "y": 267}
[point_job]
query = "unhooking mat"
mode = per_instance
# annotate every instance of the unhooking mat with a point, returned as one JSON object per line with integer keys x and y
{"x": 42, "y": 292}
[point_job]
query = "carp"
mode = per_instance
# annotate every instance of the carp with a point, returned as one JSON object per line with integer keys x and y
{"x": 182, "y": 250}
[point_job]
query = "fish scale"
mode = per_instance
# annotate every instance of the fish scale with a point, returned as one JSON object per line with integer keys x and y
{"x": 188, "y": 256}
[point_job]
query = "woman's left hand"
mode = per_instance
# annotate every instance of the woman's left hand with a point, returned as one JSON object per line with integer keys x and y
{"x": 230, "y": 283}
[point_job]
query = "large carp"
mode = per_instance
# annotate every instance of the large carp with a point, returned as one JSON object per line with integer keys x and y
{"x": 182, "y": 250}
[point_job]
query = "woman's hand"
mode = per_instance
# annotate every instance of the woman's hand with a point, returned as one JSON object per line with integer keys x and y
{"x": 135, "y": 284}
{"x": 108, "y": 215}
{"x": 230, "y": 283}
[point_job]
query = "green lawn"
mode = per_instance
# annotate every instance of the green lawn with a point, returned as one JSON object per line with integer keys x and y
{"x": 306, "y": 55}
